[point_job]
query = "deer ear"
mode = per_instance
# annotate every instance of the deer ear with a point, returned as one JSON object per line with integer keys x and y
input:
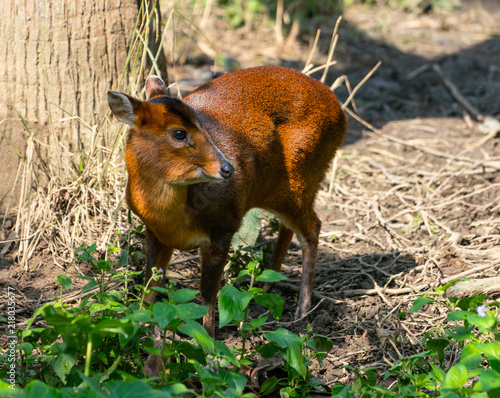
{"x": 124, "y": 107}
{"x": 155, "y": 87}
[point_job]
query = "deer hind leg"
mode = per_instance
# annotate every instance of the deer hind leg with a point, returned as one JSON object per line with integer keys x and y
{"x": 157, "y": 255}
{"x": 285, "y": 235}
{"x": 308, "y": 233}
{"x": 213, "y": 260}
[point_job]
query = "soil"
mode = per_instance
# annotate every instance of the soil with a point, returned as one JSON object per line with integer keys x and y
{"x": 414, "y": 201}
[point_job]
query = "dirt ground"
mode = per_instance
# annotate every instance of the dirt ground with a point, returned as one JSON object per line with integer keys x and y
{"x": 412, "y": 202}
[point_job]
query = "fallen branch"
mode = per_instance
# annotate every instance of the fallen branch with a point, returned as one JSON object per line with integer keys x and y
{"x": 475, "y": 287}
{"x": 286, "y": 287}
{"x": 419, "y": 288}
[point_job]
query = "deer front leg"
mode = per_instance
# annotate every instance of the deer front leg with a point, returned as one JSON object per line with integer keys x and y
{"x": 157, "y": 255}
{"x": 213, "y": 259}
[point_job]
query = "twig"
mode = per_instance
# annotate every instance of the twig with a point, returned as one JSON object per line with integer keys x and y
{"x": 358, "y": 86}
{"x": 308, "y": 64}
{"x": 301, "y": 318}
{"x": 456, "y": 94}
{"x": 414, "y": 289}
{"x": 331, "y": 50}
{"x": 418, "y": 71}
{"x": 379, "y": 290}
{"x": 286, "y": 287}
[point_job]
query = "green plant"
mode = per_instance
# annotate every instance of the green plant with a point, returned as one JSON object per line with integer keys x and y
{"x": 298, "y": 352}
{"x": 471, "y": 326}
{"x": 234, "y": 303}
{"x": 97, "y": 344}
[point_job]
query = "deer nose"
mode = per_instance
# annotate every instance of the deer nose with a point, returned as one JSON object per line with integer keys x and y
{"x": 226, "y": 170}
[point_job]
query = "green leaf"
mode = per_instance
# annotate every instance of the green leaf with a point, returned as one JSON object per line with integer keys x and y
{"x": 241, "y": 274}
{"x": 491, "y": 349}
{"x": 288, "y": 392}
{"x": 448, "y": 394}
{"x": 483, "y": 323}
{"x": 272, "y": 302}
{"x": 419, "y": 303}
{"x": 444, "y": 288}
{"x": 183, "y": 295}
{"x": 270, "y": 275}
{"x": 113, "y": 249}
{"x": 64, "y": 281}
{"x": 267, "y": 350}
{"x": 471, "y": 356}
{"x": 495, "y": 364}
{"x": 323, "y": 346}
{"x": 478, "y": 395}
{"x": 436, "y": 373}
{"x": 124, "y": 256}
{"x": 437, "y": 345}
{"x": 196, "y": 331}
{"x": 190, "y": 351}
{"x": 95, "y": 307}
{"x": 162, "y": 290}
{"x": 269, "y": 385}
{"x": 110, "y": 327}
{"x": 125, "y": 339}
{"x": 37, "y": 389}
{"x": 459, "y": 333}
{"x": 191, "y": 311}
{"x": 257, "y": 323}
{"x": 89, "y": 286}
{"x": 63, "y": 364}
{"x": 341, "y": 391}
{"x": 26, "y": 347}
{"x": 110, "y": 370}
{"x": 455, "y": 378}
{"x": 177, "y": 390}
{"x": 39, "y": 311}
{"x": 457, "y": 316}
{"x": 465, "y": 303}
{"x": 205, "y": 375}
{"x": 232, "y": 304}
{"x": 490, "y": 380}
{"x": 73, "y": 329}
{"x": 226, "y": 352}
{"x": 290, "y": 348}
{"x": 236, "y": 382}
{"x": 164, "y": 314}
{"x": 103, "y": 265}
{"x": 141, "y": 316}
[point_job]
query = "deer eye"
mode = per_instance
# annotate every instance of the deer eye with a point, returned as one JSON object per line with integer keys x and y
{"x": 179, "y": 135}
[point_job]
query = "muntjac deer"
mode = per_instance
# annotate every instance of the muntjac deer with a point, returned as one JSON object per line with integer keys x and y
{"x": 260, "y": 137}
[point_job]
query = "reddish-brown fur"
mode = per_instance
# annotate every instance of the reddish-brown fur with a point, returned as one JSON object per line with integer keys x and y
{"x": 278, "y": 128}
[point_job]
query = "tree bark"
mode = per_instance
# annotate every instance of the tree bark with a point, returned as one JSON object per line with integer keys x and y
{"x": 59, "y": 59}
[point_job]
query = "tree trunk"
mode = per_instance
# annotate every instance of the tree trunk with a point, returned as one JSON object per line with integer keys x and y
{"x": 59, "y": 59}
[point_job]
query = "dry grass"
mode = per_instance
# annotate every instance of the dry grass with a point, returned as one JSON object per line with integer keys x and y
{"x": 78, "y": 198}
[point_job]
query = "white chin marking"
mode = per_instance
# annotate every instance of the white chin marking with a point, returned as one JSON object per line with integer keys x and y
{"x": 208, "y": 178}
{"x": 199, "y": 177}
